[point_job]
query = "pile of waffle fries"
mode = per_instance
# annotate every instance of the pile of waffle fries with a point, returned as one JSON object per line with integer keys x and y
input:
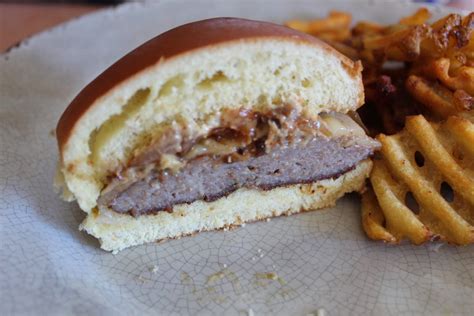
{"x": 419, "y": 85}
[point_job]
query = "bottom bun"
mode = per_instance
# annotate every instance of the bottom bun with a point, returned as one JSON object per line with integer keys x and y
{"x": 118, "y": 231}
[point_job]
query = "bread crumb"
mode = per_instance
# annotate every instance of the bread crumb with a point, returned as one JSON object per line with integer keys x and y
{"x": 215, "y": 277}
{"x": 52, "y": 133}
{"x": 141, "y": 279}
{"x": 250, "y": 312}
{"x": 273, "y": 276}
{"x": 267, "y": 275}
{"x": 154, "y": 269}
{"x": 318, "y": 312}
{"x": 321, "y": 312}
{"x": 435, "y": 247}
{"x": 268, "y": 219}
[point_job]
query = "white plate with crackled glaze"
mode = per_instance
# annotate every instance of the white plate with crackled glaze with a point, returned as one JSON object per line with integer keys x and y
{"x": 323, "y": 259}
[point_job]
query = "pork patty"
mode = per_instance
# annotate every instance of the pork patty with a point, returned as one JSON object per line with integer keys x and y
{"x": 208, "y": 179}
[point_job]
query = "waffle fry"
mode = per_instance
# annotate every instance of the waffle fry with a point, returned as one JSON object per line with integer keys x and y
{"x": 437, "y": 70}
{"x": 422, "y": 187}
{"x": 433, "y": 163}
{"x": 463, "y": 80}
{"x": 440, "y": 100}
{"x": 434, "y": 96}
{"x": 401, "y": 45}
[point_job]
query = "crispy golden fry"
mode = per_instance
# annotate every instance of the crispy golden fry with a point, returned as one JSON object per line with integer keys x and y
{"x": 433, "y": 163}
{"x": 435, "y": 90}
{"x": 438, "y": 42}
{"x": 409, "y": 40}
{"x": 457, "y": 60}
{"x": 463, "y": 80}
{"x": 463, "y": 100}
{"x": 449, "y": 33}
{"x": 437, "y": 98}
{"x": 334, "y": 22}
{"x": 441, "y": 158}
{"x": 335, "y": 27}
{"x": 344, "y": 49}
{"x": 412, "y": 39}
{"x": 299, "y": 25}
{"x": 417, "y": 18}
{"x": 373, "y": 219}
{"x": 463, "y": 131}
{"x": 455, "y": 72}
{"x": 468, "y": 25}
{"x": 336, "y": 35}
{"x": 403, "y": 45}
{"x": 400, "y": 220}
{"x": 367, "y": 28}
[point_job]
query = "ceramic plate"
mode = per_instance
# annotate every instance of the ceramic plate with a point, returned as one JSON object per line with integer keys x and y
{"x": 323, "y": 260}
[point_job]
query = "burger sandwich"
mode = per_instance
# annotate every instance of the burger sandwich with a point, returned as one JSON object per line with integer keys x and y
{"x": 210, "y": 125}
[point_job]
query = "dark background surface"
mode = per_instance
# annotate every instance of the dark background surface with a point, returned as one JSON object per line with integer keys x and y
{"x": 21, "y": 19}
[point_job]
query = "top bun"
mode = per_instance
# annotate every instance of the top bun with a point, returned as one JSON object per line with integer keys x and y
{"x": 189, "y": 75}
